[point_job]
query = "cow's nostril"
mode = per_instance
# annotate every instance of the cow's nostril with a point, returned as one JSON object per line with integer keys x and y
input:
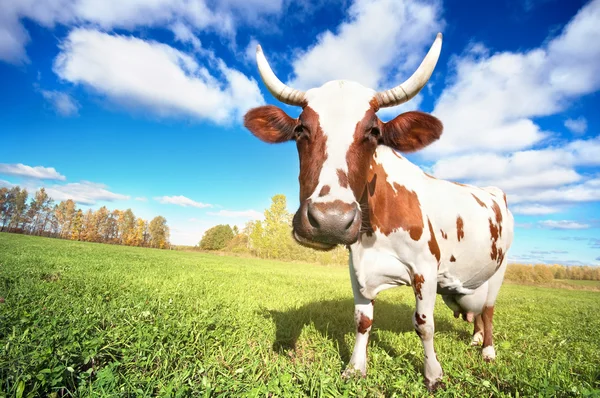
{"x": 349, "y": 224}
{"x": 312, "y": 220}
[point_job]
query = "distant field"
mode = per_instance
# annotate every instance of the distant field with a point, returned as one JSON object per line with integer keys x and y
{"x": 100, "y": 320}
{"x": 580, "y": 283}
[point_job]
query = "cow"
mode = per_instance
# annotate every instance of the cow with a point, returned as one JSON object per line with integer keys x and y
{"x": 403, "y": 227}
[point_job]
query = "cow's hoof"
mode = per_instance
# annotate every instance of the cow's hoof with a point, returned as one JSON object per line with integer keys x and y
{"x": 352, "y": 373}
{"x": 477, "y": 339}
{"x": 489, "y": 353}
{"x": 435, "y": 385}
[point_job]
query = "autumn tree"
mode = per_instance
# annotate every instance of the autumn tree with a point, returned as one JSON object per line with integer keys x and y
{"x": 217, "y": 237}
{"x": 159, "y": 232}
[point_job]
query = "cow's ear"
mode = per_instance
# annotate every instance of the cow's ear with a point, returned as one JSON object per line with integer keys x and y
{"x": 411, "y": 131}
{"x": 270, "y": 124}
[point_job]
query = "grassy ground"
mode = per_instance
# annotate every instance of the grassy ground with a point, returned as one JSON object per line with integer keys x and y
{"x": 99, "y": 320}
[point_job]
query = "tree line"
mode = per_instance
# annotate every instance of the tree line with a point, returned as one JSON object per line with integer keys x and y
{"x": 41, "y": 216}
{"x": 272, "y": 238}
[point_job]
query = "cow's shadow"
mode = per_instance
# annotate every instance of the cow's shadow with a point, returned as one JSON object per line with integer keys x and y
{"x": 335, "y": 319}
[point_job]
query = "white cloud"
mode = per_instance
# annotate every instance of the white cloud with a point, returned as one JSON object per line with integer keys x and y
{"x": 152, "y": 75}
{"x": 84, "y": 192}
{"x": 181, "y": 201}
{"x": 221, "y": 17}
{"x": 62, "y": 103}
{"x": 37, "y": 172}
{"x": 577, "y": 126}
{"x": 185, "y": 35}
{"x": 535, "y": 209}
{"x": 379, "y": 39}
{"x": 250, "y": 214}
{"x": 6, "y": 184}
{"x": 563, "y": 224}
{"x": 492, "y": 99}
{"x": 141, "y": 199}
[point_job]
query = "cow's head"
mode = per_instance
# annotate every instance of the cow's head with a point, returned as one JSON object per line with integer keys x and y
{"x": 336, "y": 135}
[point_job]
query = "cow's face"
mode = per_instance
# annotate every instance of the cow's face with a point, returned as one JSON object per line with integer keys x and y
{"x": 336, "y": 135}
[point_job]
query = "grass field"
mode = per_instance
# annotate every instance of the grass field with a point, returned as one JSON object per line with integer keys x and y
{"x": 97, "y": 320}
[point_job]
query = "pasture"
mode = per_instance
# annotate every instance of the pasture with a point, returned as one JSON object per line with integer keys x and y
{"x": 97, "y": 320}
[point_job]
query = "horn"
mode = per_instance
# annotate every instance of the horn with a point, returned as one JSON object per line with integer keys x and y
{"x": 416, "y": 82}
{"x": 283, "y": 93}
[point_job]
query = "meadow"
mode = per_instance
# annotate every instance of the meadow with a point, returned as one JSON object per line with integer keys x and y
{"x": 89, "y": 319}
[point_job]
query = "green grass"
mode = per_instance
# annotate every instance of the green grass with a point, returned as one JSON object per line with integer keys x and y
{"x": 595, "y": 284}
{"x": 98, "y": 320}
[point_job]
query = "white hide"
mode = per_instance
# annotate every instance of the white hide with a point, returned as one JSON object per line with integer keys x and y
{"x": 441, "y": 202}
{"x": 340, "y": 105}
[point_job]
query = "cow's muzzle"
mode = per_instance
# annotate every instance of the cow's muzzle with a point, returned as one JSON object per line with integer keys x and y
{"x": 323, "y": 225}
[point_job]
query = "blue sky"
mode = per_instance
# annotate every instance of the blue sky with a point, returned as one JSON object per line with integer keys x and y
{"x": 127, "y": 103}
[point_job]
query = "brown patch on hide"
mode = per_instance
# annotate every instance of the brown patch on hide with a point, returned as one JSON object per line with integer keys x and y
{"x": 460, "y": 232}
{"x": 393, "y": 207}
{"x": 364, "y": 323}
{"x": 417, "y": 283}
{"x": 430, "y": 176}
{"x": 418, "y": 319}
{"x": 498, "y": 214}
{"x": 434, "y": 248}
{"x": 342, "y": 178}
{"x": 444, "y": 235}
{"x": 452, "y": 259}
{"x": 488, "y": 316}
{"x": 479, "y": 201}
{"x": 505, "y": 201}
{"x": 327, "y": 207}
{"x": 324, "y": 191}
{"x": 311, "y": 151}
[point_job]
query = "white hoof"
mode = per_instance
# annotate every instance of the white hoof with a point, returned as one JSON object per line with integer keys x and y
{"x": 489, "y": 353}
{"x": 477, "y": 338}
{"x": 352, "y": 372}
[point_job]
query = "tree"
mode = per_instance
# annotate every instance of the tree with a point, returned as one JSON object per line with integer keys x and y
{"x": 159, "y": 232}
{"x": 77, "y": 226}
{"x": 217, "y": 237}
{"x": 17, "y": 208}
{"x": 236, "y": 230}
{"x": 141, "y": 233}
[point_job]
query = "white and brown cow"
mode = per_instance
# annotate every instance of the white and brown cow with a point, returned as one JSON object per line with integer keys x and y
{"x": 403, "y": 226}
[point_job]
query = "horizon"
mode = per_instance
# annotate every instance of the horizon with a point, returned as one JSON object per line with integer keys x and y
{"x": 140, "y": 106}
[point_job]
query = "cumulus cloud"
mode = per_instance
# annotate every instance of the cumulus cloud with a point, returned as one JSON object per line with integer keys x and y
{"x": 181, "y": 201}
{"x": 493, "y": 98}
{"x": 84, "y": 192}
{"x": 63, "y": 103}
{"x": 535, "y": 209}
{"x": 250, "y": 214}
{"x": 37, "y": 172}
{"x": 577, "y": 126}
{"x": 373, "y": 45}
{"x": 119, "y": 68}
{"x": 6, "y": 184}
{"x": 221, "y": 17}
{"x": 563, "y": 224}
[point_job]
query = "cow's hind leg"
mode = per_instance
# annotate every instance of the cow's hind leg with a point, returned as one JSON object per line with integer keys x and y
{"x": 425, "y": 287}
{"x": 477, "y": 331}
{"x": 487, "y": 316}
{"x": 363, "y": 318}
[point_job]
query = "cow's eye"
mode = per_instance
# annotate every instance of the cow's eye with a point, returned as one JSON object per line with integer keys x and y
{"x": 374, "y": 133}
{"x": 300, "y": 131}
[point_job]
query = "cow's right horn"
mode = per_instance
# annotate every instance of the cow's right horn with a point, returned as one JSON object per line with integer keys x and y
{"x": 283, "y": 93}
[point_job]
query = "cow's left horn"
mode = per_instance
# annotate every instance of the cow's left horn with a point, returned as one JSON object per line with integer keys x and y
{"x": 283, "y": 93}
{"x": 416, "y": 82}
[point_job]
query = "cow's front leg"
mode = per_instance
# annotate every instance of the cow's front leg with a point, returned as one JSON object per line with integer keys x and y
{"x": 363, "y": 318}
{"x": 425, "y": 294}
